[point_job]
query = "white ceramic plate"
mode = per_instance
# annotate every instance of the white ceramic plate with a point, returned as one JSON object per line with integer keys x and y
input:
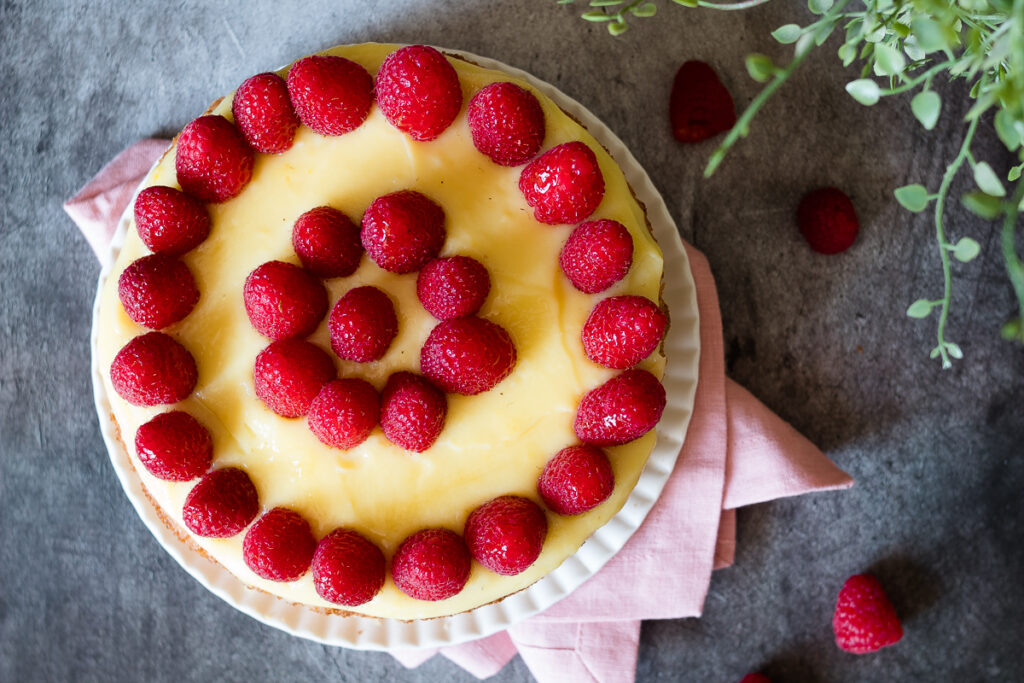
{"x": 682, "y": 347}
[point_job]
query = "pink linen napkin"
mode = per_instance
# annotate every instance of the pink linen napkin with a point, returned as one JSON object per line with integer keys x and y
{"x": 737, "y": 452}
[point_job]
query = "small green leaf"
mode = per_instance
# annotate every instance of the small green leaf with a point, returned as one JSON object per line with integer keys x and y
{"x": 889, "y": 60}
{"x": 648, "y": 9}
{"x": 954, "y": 350}
{"x": 931, "y": 36}
{"x": 912, "y": 197}
{"x": 819, "y": 6}
{"x": 617, "y": 28}
{"x": 966, "y": 250}
{"x": 1005, "y": 130}
{"x": 847, "y": 53}
{"x": 823, "y": 32}
{"x": 864, "y": 90}
{"x": 982, "y": 204}
{"x": 987, "y": 180}
{"x": 926, "y": 106}
{"x": 1014, "y": 173}
{"x": 760, "y": 67}
{"x": 920, "y": 308}
{"x": 1013, "y": 330}
{"x": 605, "y": 3}
{"x": 596, "y": 15}
{"x": 787, "y": 33}
{"x": 686, "y": 3}
{"x": 975, "y": 89}
{"x": 935, "y": 352}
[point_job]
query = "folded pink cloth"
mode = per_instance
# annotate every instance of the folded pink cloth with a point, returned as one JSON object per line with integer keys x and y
{"x": 737, "y": 452}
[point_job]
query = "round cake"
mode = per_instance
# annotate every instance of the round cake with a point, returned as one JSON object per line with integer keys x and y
{"x": 384, "y": 335}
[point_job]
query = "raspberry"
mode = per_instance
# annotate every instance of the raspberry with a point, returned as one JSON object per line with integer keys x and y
{"x": 347, "y": 569}
{"x": 264, "y": 113}
{"x": 597, "y": 255}
{"x": 362, "y": 325}
{"x": 623, "y": 330}
{"x": 214, "y": 162}
{"x": 622, "y": 409}
{"x": 453, "y": 287}
{"x": 289, "y": 374}
{"x": 865, "y": 620}
{"x": 402, "y": 231}
{"x": 174, "y": 446}
{"x": 507, "y": 123}
{"x": 506, "y": 534}
{"x": 467, "y": 355}
{"x": 418, "y": 91}
{"x": 564, "y": 184}
{"x": 699, "y": 107}
{"x": 412, "y": 411}
{"x": 327, "y": 242}
{"x": 755, "y": 678}
{"x": 432, "y": 564}
{"x": 828, "y": 220}
{"x": 279, "y": 546}
{"x": 157, "y": 291}
{"x": 283, "y": 300}
{"x": 344, "y": 412}
{"x": 152, "y": 369}
{"x": 577, "y": 479}
{"x": 221, "y": 504}
{"x": 169, "y": 221}
{"x": 331, "y": 95}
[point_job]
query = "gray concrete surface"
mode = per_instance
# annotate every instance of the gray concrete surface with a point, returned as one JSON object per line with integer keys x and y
{"x": 87, "y": 594}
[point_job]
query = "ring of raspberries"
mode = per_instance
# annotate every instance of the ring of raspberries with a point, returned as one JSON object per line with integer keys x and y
{"x": 418, "y": 92}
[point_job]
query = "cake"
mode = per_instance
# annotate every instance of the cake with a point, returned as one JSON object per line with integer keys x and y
{"x": 264, "y": 385}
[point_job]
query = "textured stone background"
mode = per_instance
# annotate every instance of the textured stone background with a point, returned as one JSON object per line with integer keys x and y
{"x": 87, "y": 594}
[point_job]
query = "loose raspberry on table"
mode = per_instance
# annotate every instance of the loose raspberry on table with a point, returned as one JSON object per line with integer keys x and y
{"x": 327, "y": 242}
{"x": 264, "y": 113}
{"x": 283, "y": 300}
{"x": 344, "y": 412}
{"x": 362, "y": 325}
{"x": 467, "y": 355}
{"x": 153, "y": 369}
{"x": 348, "y": 569}
{"x": 506, "y": 534}
{"x": 221, "y": 504}
{"x": 622, "y": 409}
{"x": 577, "y": 479}
{"x": 597, "y": 255}
{"x": 564, "y": 184}
{"x": 214, "y": 162}
{"x": 699, "y": 107}
{"x": 507, "y": 123}
{"x": 453, "y": 287}
{"x": 170, "y": 221}
{"x": 418, "y": 91}
{"x": 412, "y": 411}
{"x": 331, "y": 95}
{"x": 755, "y": 678}
{"x": 865, "y": 620}
{"x": 157, "y": 291}
{"x": 279, "y": 546}
{"x": 623, "y": 330}
{"x": 289, "y": 374}
{"x": 432, "y": 564}
{"x": 403, "y": 230}
{"x": 828, "y": 220}
{"x": 174, "y": 446}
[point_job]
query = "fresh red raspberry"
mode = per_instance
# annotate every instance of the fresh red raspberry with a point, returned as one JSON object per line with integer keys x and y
{"x": 221, "y": 504}
{"x": 699, "y": 107}
{"x": 623, "y": 330}
{"x": 289, "y": 374}
{"x": 157, "y": 291}
{"x": 283, "y": 300}
{"x": 506, "y": 534}
{"x": 279, "y": 546}
{"x": 622, "y": 409}
{"x": 453, "y": 287}
{"x": 331, "y": 95}
{"x": 264, "y": 113}
{"x": 412, "y": 411}
{"x": 756, "y": 678}
{"x": 169, "y": 221}
{"x": 174, "y": 446}
{"x": 828, "y": 220}
{"x": 214, "y": 162}
{"x": 577, "y": 479}
{"x": 597, "y": 255}
{"x": 347, "y": 568}
{"x": 432, "y": 564}
{"x": 418, "y": 91}
{"x": 564, "y": 184}
{"x": 507, "y": 123}
{"x": 152, "y": 369}
{"x": 865, "y": 620}
{"x": 362, "y": 325}
{"x": 327, "y": 242}
{"x": 402, "y": 231}
{"x": 344, "y": 412}
{"x": 467, "y": 355}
